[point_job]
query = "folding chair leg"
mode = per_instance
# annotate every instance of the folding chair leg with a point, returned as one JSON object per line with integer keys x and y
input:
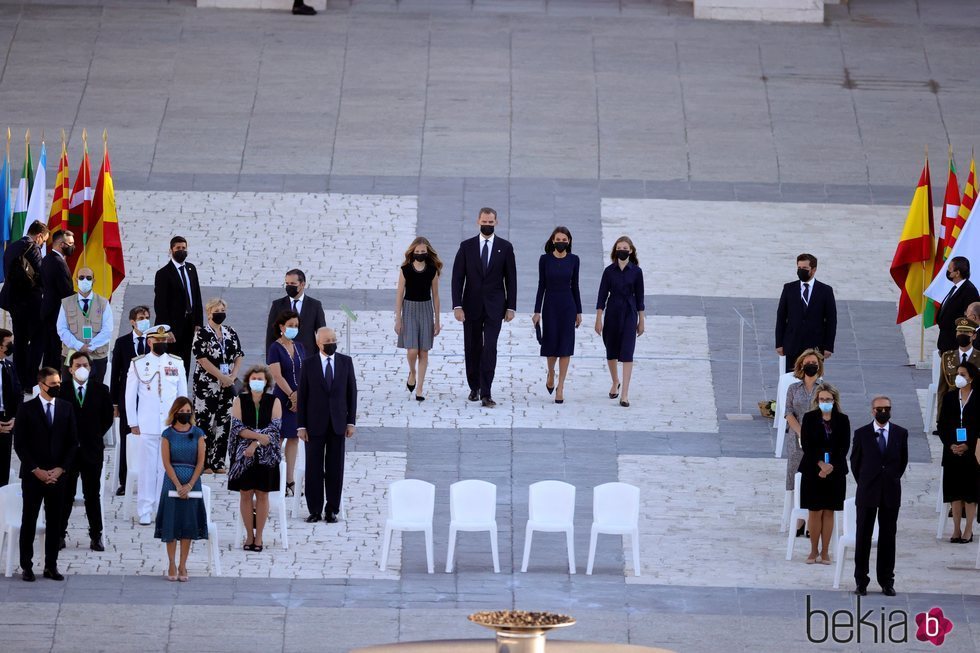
{"x": 790, "y": 541}
{"x": 283, "y": 526}
{"x": 841, "y": 549}
{"x": 450, "y": 554}
{"x": 496, "y": 554}
{"x": 429, "y": 565}
{"x": 570, "y": 544}
{"x": 384, "y": 548}
{"x": 978, "y": 556}
{"x": 527, "y": 547}
{"x": 943, "y": 516}
{"x": 635, "y": 541}
{"x": 787, "y": 510}
{"x": 593, "y": 539}
{"x": 9, "y": 568}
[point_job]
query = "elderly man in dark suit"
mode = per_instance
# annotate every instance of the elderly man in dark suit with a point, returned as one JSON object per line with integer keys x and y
{"x": 955, "y": 303}
{"x": 325, "y": 417}
{"x": 879, "y": 456}
{"x": 21, "y": 296}
{"x": 484, "y": 293}
{"x": 127, "y": 347}
{"x": 57, "y": 284}
{"x": 310, "y": 311}
{"x": 177, "y": 300}
{"x": 45, "y": 439}
{"x": 807, "y": 314}
{"x": 10, "y": 399}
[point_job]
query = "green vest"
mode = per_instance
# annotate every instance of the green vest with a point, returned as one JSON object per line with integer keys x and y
{"x": 76, "y": 320}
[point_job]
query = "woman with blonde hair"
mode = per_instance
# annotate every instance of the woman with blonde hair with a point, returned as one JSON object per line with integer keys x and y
{"x": 417, "y": 310}
{"x": 799, "y": 398}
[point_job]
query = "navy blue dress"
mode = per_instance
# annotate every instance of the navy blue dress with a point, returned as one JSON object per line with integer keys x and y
{"x": 621, "y": 299}
{"x": 181, "y": 519}
{"x": 291, "y": 369}
{"x": 558, "y": 291}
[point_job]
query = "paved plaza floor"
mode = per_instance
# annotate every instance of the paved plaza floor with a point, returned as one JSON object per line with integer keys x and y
{"x": 723, "y": 150}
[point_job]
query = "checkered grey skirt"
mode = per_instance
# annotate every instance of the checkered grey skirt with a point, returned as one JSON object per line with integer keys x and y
{"x": 417, "y": 325}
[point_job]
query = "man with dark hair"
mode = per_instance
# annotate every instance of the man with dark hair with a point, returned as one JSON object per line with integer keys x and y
{"x": 45, "y": 439}
{"x": 56, "y": 283}
{"x": 10, "y": 398}
{"x": 127, "y": 347}
{"x": 960, "y": 296}
{"x": 21, "y": 296}
{"x": 177, "y": 300}
{"x": 807, "y": 314}
{"x": 93, "y": 413}
{"x": 310, "y": 311}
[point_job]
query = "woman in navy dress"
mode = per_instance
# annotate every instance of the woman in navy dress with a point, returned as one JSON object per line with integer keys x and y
{"x": 285, "y": 360}
{"x": 558, "y": 307}
{"x": 621, "y": 303}
{"x": 181, "y": 518}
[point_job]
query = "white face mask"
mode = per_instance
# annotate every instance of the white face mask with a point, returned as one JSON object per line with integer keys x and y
{"x": 84, "y": 285}
{"x": 961, "y": 381}
{"x": 81, "y": 374}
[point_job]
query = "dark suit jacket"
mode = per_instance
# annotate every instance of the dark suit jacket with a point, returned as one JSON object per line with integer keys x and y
{"x": 57, "y": 284}
{"x": 170, "y": 300}
{"x": 491, "y": 293}
{"x": 311, "y": 318}
{"x": 952, "y": 309}
{"x": 879, "y": 477}
{"x": 814, "y": 443}
{"x": 9, "y": 296}
{"x": 123, "y": 353}
{"x": 321, "y": 412}
{"x": 799, "y": 326}
{"x": 12, "y": 394}
{"x": 39, "y": 445}
{"x": 92, "y": 418}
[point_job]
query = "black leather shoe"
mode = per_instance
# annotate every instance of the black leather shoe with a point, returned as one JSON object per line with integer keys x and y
{"x": 861, "y": 591}
{"x": 28, "y": 576}
{"x": 303, "y": 10}
{"x": 487, "y": 402}
{"x": 121, "y": 492}
{"x": 330, "y": 518}
{"x": 96, "y": 544}
{"x": 53, "y": 574}
{"x": 62, "y": 545}
{"x": 888, "y": 590}
{"x": 474, "y": 395}
{"x": 312, "y": 519}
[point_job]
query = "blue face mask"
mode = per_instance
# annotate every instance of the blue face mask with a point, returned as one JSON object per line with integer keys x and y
{"x": 826, "y": 406}
{"x": 143, "y": 326}
{"x": 256, "y": 385}
{"x": 291, "y": 333}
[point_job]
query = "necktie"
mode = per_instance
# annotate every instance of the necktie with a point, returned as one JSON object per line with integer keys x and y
{"x": 486, "y": 255}
{"x": 50, "y": 414}
{"x": 187, "y": 288}
{"x": 81, "y": 396}
{"x": 881, "y": 441}
{"x": 141, "y": 347}
{"x": 806, "y": 294}
{"x": 964, "y": 359}
{"x": 328, "y": 374}
{"x": 293, "y": 309}
{"x": 85, "y": 306}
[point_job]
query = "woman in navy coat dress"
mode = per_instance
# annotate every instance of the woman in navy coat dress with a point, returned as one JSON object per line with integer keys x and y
{"x": 558, "y": 307}
{"x": 621, "y": 300}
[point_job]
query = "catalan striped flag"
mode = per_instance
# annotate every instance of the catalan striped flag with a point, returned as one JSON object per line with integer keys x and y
{"x": 80, "y": 211}
{"x": 966, "y": 206}
{"x": 104, "y": 247}
{"x": 58, "y": 219}
{"x": 951, "y": 209}
{"x": 912, "y": 264}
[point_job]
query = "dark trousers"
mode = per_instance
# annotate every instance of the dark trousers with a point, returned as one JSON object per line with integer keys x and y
{"x": 26, "y": 323}
{"x": 6, "y": 442}
{"x": 53, "y": 497}
{"x": 91, "y": 473}
{"x": 123, "y": 432}
{"x": 480, "y": 347}
{"x": 182, "y": 344}
{"x": 324, "y": 473}
{"x": 887, "y": 527}
{"x": 46, "y": 346}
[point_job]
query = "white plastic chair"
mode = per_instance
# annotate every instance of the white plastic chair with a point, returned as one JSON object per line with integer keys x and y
{"x": 942, "y": 508}
{"x": 214, "y": 550}
{"x": 117, "y": 455}
{"x": 939, "y": 492}
{"x": 277, "y": 507}
{"x": 133, "y": 448}
{"x": 795, "y": 514}
{"x": 551, "y": 509}
{"x": 848, "y": 537}
{"x": 782, "y": 366}
{"x": 11, "y": 511}
{"x": 932, "y": 401}
{"x": 978, "y": 556}
{"x": 616, "y": 511}
{"x": 411, "y": 504}
{"x": 472, "y": 508}
{"x": 785, "y": 381}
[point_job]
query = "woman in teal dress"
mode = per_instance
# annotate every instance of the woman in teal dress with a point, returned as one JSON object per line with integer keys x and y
{"x": 181, "y": 517}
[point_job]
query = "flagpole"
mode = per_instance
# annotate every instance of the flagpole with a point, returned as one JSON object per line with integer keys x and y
{"x": 86, "y": 182}
{"x": 105, "y": 261}
{"x": 7, "y": 191}
{"x": 922, "y": 317}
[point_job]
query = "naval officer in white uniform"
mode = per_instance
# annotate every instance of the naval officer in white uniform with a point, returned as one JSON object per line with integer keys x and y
{"x": 154, "y": 382}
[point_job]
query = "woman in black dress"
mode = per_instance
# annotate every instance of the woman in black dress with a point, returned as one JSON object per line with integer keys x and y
{"x": 561, "y": 313}
{"x": 621, "y": 303}
{"x": 256, "y": 419}
{"x": 961, "y": 410}
{"x": 417, "y": 310}
{"x": 825, "y": 436}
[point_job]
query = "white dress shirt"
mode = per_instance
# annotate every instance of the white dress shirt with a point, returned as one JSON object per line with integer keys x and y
{"x": 879, "y": 427}
{"x": 333, "y": 366}
{"x": 299, "y": 302}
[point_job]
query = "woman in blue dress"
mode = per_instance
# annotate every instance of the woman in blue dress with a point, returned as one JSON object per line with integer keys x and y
{"x": 181, "y": 517}
{"x": 558, "y": 307}
{"x": 285, "y": 360}
{"x": 621, "y": 300}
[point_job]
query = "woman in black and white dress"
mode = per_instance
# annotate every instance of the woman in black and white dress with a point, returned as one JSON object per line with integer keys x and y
{"x": 417, "y": 310}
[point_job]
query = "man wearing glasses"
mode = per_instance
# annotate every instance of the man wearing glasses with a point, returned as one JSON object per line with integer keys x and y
{"x": 85, "y": 325}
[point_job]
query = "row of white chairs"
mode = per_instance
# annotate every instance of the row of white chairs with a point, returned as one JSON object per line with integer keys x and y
{"x": 473, "y": 507}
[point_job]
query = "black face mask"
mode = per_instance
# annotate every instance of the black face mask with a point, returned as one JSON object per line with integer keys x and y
{"x": 804, "y": 275}
{"x": 561, "y": 247}
{"x": 292, "y": 291}
{"x": 159, "y": 348}
{"x": 218, "y": 318}
{"x": 180, "y": 255}
{"x": 67, "y": 250}
{"x": 486, "y": 229}
{"x": 330, "y": 348}
{"x": 183, "y": 418}
{"x": 5, "y": 349}
{"x": 811, "y": 369}
{"x": 622, "y": 254}
{"x": 949, "y": 275}
{"x": 420, "y": 257}
{"x": 882, "y": 415}
{"x": 963, "y": 339}
{"x": 54, "y": 390}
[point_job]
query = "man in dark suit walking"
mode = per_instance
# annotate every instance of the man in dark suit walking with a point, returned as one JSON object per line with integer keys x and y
{"x": 957, "y": 300}
{"x": 45, "y": 440}
{"x": 21, "y": 296}
{"x": 177, "y": 300}
{"x": 127, "y": 347}
{"x": 57, "y": 284}
{"x": 10, "y": 398}
{"x": 325, "y": 417}
{"x": 310, "y": 311}
{"x": 484, "y": 293}
{"x": 807, "y": 314}
{"x": 879, "y": 456}
{"x": 93, "y": 412}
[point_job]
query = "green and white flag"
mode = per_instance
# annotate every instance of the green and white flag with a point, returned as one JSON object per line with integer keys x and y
{"x": 20, "y": 203}
{"x": 36, "y": 209}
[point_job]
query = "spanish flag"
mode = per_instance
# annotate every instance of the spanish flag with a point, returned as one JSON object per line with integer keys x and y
{"x": 103, "y": 251}
{"x": 913, "y": 262}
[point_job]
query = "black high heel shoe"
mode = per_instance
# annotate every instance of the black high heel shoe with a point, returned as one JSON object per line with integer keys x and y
{"x": 550, "y": 389}
{"x": 419, "y": 398}
{"x": 613, "y": 396}
{"x": 410, "y": 386}
{"x": 624, "y": 404}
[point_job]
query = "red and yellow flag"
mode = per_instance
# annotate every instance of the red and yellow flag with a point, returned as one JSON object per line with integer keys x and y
{"x": 966, "y": 207}
{"x": 104, "y": 248}
{"x": 944, "y": 245}
{"x": 913, "y": 262}
{"x": 58, "y": 219}
{"x": 80, "y": 211}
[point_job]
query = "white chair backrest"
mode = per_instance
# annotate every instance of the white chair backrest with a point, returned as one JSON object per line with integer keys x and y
{"x": 936, "y": 367}
{"x": 785, "y": 381}
{"x": 206, "y": 495}
{"x": 411, "y": 500}
{"x": 473, "y": 501}
{"x": 282, "y": 477}
{"x": 616, "y": 504}
{"x": 797, "y": 479}
{"x": 11, "y": 503}
{"x": 849, "y": 527}
{"x": 132, "y": 452}
{"x": 551, "y": 501}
